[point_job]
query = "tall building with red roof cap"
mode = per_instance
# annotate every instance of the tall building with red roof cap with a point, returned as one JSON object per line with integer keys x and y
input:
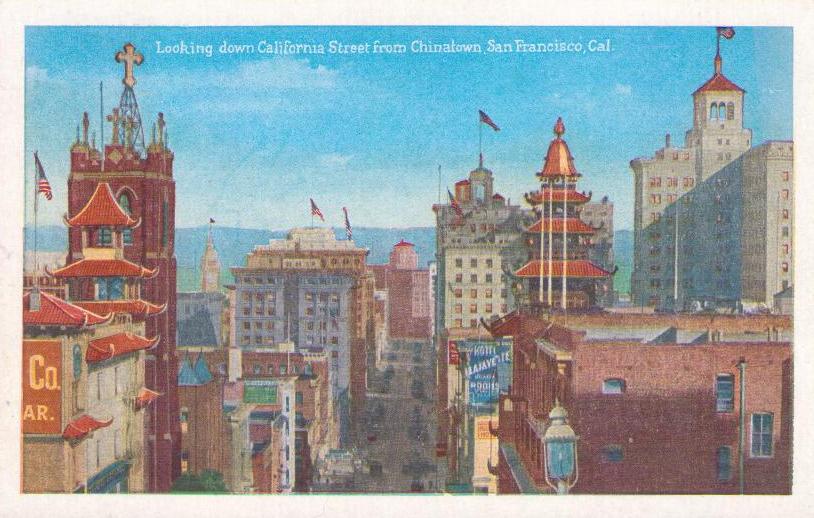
{"x": 121, "y": 219}
{"x": 713, "y": 219}
{"x": 559, "y": 272}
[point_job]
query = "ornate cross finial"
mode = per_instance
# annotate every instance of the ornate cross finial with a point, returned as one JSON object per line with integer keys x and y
{"x": 128, "y": 131}
{"x": 114, "y": 118}
{"x": 129, "y": 56}
{"x": 85, "y": 124}
{"x": 161, "y": 125}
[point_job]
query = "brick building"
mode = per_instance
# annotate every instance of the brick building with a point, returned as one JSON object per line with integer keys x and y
{"x": 139, "y": 180}
{"x": 655, "y": 401}
{"x": 409, "y": 295}
{"x": 84, "y": 399}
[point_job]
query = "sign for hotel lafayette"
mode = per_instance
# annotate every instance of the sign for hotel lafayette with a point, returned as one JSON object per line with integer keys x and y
{"x": 42, "y": 386}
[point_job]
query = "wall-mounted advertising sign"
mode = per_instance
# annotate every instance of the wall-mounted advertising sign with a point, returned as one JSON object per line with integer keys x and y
{"x": 262, "y": 392}
{"x": 487, "y": 367}
{"x": 42, "y": 387}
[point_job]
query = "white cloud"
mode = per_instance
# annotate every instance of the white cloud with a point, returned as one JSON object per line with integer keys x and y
{"x": 622, "y": 89}
{"x": 334, "y": 160}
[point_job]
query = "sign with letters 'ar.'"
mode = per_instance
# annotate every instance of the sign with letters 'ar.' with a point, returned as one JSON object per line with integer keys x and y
{"x": 42, "y": 386}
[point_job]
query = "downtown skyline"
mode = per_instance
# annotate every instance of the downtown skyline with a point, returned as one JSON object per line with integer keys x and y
{"x": 236, "y": 121}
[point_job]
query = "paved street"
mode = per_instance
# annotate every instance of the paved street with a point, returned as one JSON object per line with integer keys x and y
{"x": 400, "y": 434}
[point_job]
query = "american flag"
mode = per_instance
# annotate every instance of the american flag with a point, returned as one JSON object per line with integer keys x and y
{"x": 726, "y": 32}
{"x": 348, "y": 230}
{"x": 315, "y": 210}
{"x": 487, "y": 120}
{"x": 42, "y": 182}
{"x": 454, "y": 203}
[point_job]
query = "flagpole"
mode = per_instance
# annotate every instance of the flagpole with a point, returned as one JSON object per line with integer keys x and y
{"x": 480, "y": 141}
{"x": 439, "y": 184}
{"x": 36, "y": 193}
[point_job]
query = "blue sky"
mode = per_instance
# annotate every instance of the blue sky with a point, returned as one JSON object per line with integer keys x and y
{"x": 256, "y": 135}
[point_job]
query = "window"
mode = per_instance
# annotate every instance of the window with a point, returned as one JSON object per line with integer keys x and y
{"x": 613, "y": 453}
{"x": 786, "y": 249}
{"x": 473, "y": 323}
{"x": 785, "y": 194}
{"x": 689, "y": 181}
{"x": 105, "y": 236}
{"x": 473, "y": 278}
{"x": 459, "y": 277}
{"x": 488, "y": 293}
{"x": 165, "y": 223}
{"x": 124, "y": 203}
{"x": 99, "y": 386}
{"x": 655, "y": 181}
{"x": 184, "y": 418}
{"x": 613, "y": 386}
{"x": 459, "y": 293}
{"x": 785, "y": 231}
{"x": 724, "y": 463}
{"x": 672, "y": 181}
{"x": 762, "y": 435}
{"x": 473, "y": 263}
{"x": 459, "y": 308}
{"x": 459, "y": 262}
{"x": 713, "y": 111}
{"x": 473, "y": 308}
{"x": 298, "y": 398}
{"x": 488, "y": 277}
{"x": 489, "y": 263}
{"x": 785, "y": 213}
{"x": 730, "y": 112}
{"x": 184, "y": 462}
{"x": 459, "y": 322}
{"x": 473, "y": 294}
{"x": 785, "y": 267}
{"x": 488, "y": 308}
{"x": 256, "y": 369}
{"x": 116, "y": 380}
{"x": 284, "y": 372}
{"x": 503, "y": 308}
{"x": 270, "y": 370}
{"x": 724, "y": 393}
{"x": 785, "y": 176}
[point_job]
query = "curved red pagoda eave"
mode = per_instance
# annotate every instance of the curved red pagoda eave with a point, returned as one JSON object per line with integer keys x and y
{"x": 574, "y": 226}
{"x": 82, "y": 426}
{"x": 119, "y": 344}
{"x": 575, "y": 269}
{"x": 103, "y": 268}
{"x": 102, "y": 210}
{"x": 57, "y": 312}
{"x": 136, "y": 307}
{"x": 559, "y": 162}
{"x": 145, "y": 397}
{"x": 557, "y": 195}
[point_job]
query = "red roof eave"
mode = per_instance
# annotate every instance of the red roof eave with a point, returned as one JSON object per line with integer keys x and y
{"x": 574, "y": 269}
{"x": 57, "y": 312}
{"x": 102, "y": 210}
{"x": 82, "y": 426}
{"x": 104, "y": 268}
{"x": 574, "y": 226}
{"x": 145, "y": 397}
{"x": 118, "y": 344}
{"x": 137, "y": 307}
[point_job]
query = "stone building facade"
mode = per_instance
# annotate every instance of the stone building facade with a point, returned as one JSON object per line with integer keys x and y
{"x": 725, "y": 193}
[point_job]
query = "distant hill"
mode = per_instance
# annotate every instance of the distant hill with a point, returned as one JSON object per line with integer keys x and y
{"x": 234, "y": 243}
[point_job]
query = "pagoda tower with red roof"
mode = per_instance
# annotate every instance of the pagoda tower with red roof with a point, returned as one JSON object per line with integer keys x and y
{"x": 558, "y": 270}
{"x": 121, "y": 219}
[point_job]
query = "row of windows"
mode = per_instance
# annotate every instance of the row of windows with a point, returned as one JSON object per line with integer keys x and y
{"x": 473, "y": 308}
{"x": 473, "y": 293}
{"x": 722, "y": 111}
{"x": 473, "y": 278}
{"x": 672, "y": 181}
{"x": 473, "y": 262}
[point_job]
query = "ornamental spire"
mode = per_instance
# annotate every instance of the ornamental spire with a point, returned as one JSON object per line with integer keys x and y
{"x": 559, "y": 127}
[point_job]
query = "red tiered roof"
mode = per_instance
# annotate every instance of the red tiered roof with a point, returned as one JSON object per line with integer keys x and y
{"x": 56, "y": 312}
{"x": 575, "y": 226}
{"x": 558, "y": 159}
{"x": 82, "y": 426}
{"x": 136, "y": 307}
{"x": 102, "y": 210}
{"x": 104, "y": 268}
{"x": 403, "y": 243}
{"x": 576, "y": 268}
{"x": 719, "y": 83}
{"x": 145, "y": 397}
{"x": 117, "y": 345}
{"x": 558, "y": 195}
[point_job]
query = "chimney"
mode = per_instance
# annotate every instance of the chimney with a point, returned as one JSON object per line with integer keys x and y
{"x": 34, "y": 299}
{"x": 667, "y": 141}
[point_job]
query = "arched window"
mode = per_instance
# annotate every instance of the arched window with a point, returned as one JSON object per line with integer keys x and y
{"x": 713, "y": 111}
{"x": 730, "y": 111}
{"x": 721, "y": 111}
{"x": 124, "y": 203}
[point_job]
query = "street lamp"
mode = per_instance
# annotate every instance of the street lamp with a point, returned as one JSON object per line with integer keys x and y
{"x": 561, "y": 471}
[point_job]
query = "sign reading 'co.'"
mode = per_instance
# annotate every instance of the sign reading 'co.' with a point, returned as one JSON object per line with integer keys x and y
{"x": 42, "y": 386}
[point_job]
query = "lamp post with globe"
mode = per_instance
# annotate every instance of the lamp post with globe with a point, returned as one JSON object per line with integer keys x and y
{"x": 561, "y": 471}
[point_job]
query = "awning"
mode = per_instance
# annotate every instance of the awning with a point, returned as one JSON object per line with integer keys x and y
{"x": 82, "y": 426}
{"x": 145, "y": 397}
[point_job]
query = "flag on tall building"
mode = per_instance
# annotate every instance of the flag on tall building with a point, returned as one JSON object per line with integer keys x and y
{"x": 211, "y": 220}
{"x": 315, "y": 210}
{"x": 42, "y": 182}
{"x": 726, "y": 32}
{"x": 487, "y": 120}
{"x": 454, "y": 203}
{"x": 348, "y": 230}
